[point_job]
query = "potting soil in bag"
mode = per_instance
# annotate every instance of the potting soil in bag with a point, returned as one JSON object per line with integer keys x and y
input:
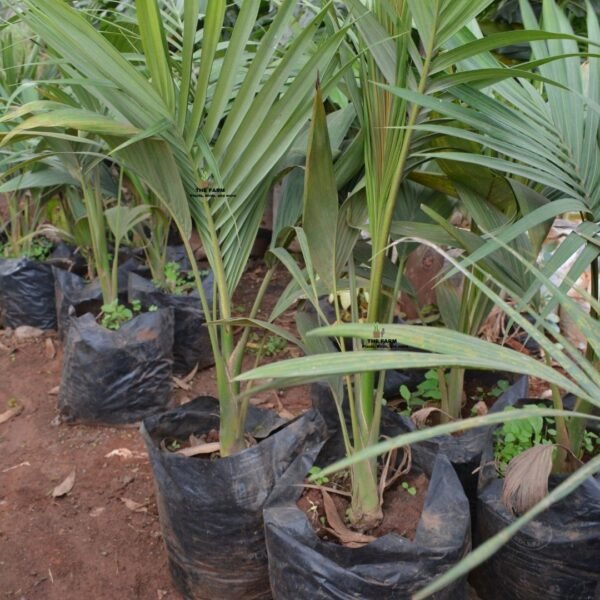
{"x": 464, "y": 451}
{"x": 73, "y": 291}
{"x": 211, "y": 510}
{"x": 27, "y": 293}
{"x": 304, "y": 567}
{"x": 191, "y": 344}
{"x": 554, "y": 557}
{"x": 117, "y": 376}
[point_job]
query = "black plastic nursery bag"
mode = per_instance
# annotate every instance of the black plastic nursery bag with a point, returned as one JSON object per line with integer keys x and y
{"x": 75, "y": 292}
{"x": 191, "y": 344}
{"x": 27, "y": 293}
{"x": 304, "y": 567}
{"x": 554, "y": 557}
{"x": 465, "y": 450}
{"x": 117, "y": 376}
{"x": 211, "y": 510}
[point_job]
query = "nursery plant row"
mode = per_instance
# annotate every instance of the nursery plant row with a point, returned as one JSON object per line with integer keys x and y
{"x": 429, "y": 172}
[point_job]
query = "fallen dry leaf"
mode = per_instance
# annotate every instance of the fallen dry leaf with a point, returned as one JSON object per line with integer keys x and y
{"x": 54, "y": 391}
{"x": 50, "y": 349}
{"x": 181, "y": 384}
{"x": 62, "y": 489}
{"x": 480, "y": 408}
{"x": 22, "y": 464}
{"x": 124, "y": 453}
{"x": 10, "y": 413}
{"x": 352, "y": 539}
{"x": 201, "y": 449}
{"x": 190, "y": 375}
{"x": 25, "y": 332}
{"x": 134, "y": 506}
{"x": 419, "y": 417}
{"x": 283, "y": 412}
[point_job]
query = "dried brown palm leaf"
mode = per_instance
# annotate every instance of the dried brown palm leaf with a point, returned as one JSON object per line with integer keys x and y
{"x": 526, "y": 478}
{"x": 209, "y": 448}
{"x": 337, "y": 527}
{"x": 419, "y": 417}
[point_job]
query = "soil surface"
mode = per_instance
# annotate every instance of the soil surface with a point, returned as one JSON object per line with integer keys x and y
{"x": 101, "y": 540}
{"x": 401, "y": 509}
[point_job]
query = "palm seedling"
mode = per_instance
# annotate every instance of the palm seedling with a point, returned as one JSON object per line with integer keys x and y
{"x": 529, "y": 132}
{"x": 203, "y": 121}
{"x": 389, "y": 60}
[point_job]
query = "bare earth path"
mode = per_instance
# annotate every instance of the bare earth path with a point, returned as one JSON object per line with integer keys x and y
{"x": 102, "y": 540}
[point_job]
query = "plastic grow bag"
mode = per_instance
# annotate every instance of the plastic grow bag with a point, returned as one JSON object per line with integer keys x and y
{"x": 191, "y": 343}
{"x": 27, "y": 293}
{"x": 117, "y": 376}
{"x": 211, "y": 510}
{"x": 178, "y": 254}
{"x": 69, "y": 258}
{"x": 75, "y": 294}
{"x": 304, "y": 567}
{"x": 554, "y": 557}
{"x": 465, "y": 450}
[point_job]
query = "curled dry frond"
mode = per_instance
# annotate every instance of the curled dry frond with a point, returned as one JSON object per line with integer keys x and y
{"x": 419, "y": 417}
{"x": 526, "y": 478}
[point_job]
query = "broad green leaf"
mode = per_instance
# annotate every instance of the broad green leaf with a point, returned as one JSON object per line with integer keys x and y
{"x": 154, "y": 43}
{"x": 244, "y": 25}
{"x": 153, "y": 162}
{"x": 314, "y": 368}
{"x": 191, "y": 11}
{"x": 44, "y": 178}
{"x": 320, "y": 215}
{"x": 72, "y": 118}
{"x": 439, "y": 20}
{"x": 491, "y": 42}
{"x": 123, "y": 219}
{"x": 213, "y": 21}
{"x": 429, "y": 433}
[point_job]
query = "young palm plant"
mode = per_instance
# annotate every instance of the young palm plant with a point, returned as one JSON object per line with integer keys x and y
{"x": 203, "y": 124}
{"x": 528, "y": 132}
{"x": 526, "y": 492}
{"x": 388, "y": 56}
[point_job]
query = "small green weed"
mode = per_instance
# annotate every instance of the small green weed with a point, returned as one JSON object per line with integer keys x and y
{"x": 591, "y": 443}
{"x": 481, "y": 395}
{"x": 39, "y": 249}
{"x": 269, "y": 346}
{"x": 428, "y": 389}
{"x": 313, "y": 472}
{"x": 115, "y": 314}
{"x": 409, "y": 488}
{"x": 515, "y": 437}
{"x": 177, "y": 282}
